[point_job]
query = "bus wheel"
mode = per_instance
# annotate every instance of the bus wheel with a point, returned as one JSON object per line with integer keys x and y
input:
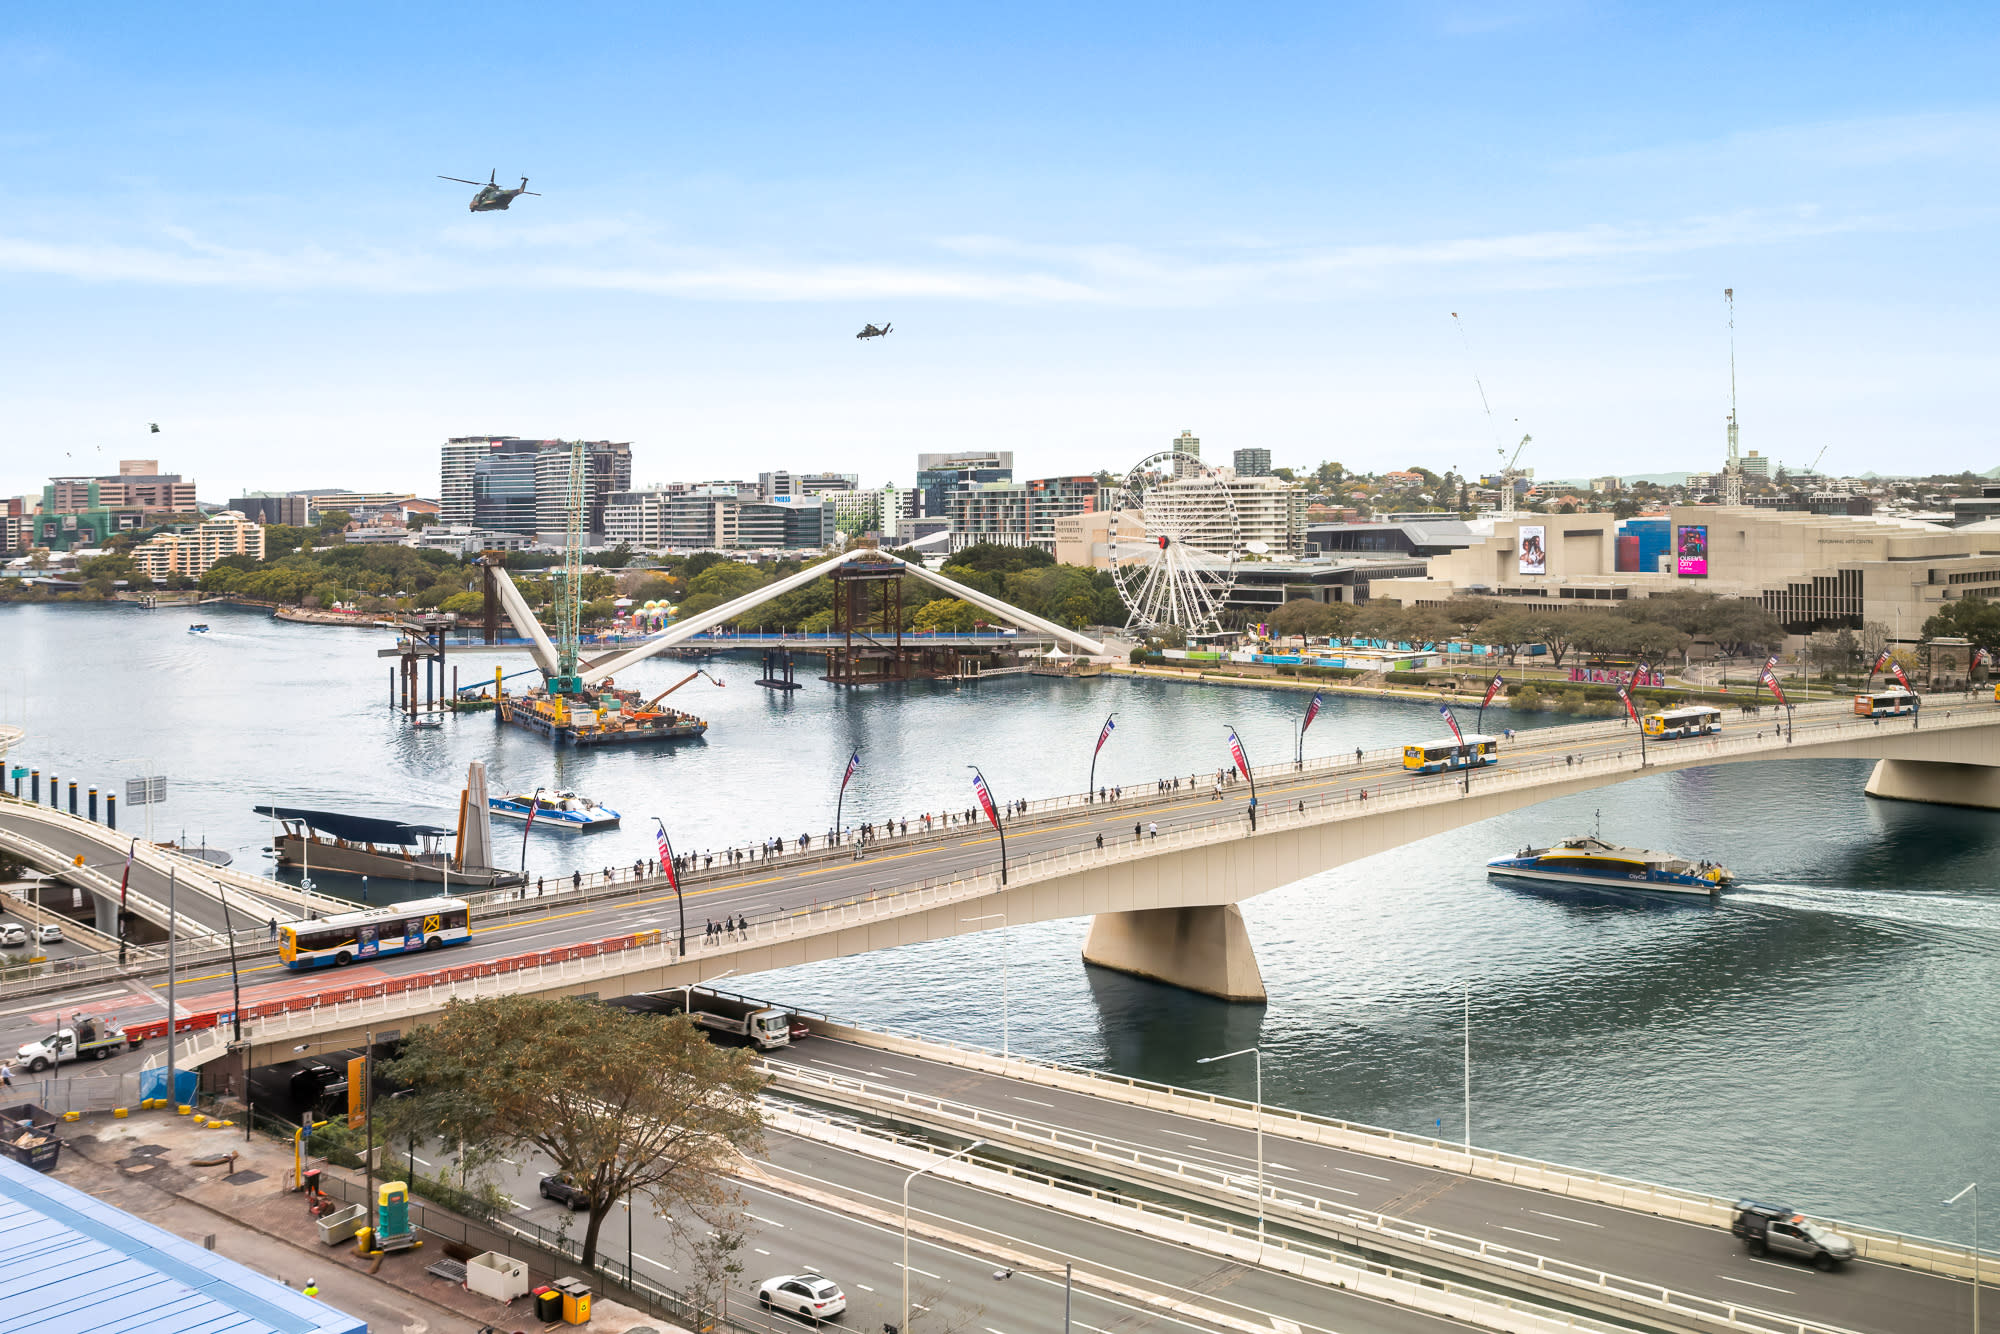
{"x": 342, "y": 959}
{"x": 433, "y": 943}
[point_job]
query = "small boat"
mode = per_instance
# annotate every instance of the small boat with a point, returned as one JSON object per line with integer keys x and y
{"x": 198, "y": 628}
{"x": 556, "y": 810}
{"x": 1589, "y": 860}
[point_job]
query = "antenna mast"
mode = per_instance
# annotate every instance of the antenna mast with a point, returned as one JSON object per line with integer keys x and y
{"x": 1732, "y": 470}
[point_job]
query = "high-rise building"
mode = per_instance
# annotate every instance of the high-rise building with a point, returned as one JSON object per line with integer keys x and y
{"x": 1050, "y": 499}
{"x": 1756, "y": 468}
{"x": 1186, "y": 443}
{"x": 138, "y": 484}
{"x": 1269, "y": 510}
{"x": 193, "y": 549}
{"x": 995, "y": 512}
{"x": 271, "y": 507}
{"x": 458, "y": 480}
{"x": 940, "y": 475}
{"x": 783, "y": 483}
{"x": 1253, "y": 463}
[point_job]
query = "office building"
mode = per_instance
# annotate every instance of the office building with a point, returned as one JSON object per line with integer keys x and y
{"x": 74, "y": 529}
{"x": 193, "y": 549}
{"x": 522, "y": 486}
{"x": 1253, "y": 462}
{"x": 138, "y": 485}
{"x": 1186, "y": 443}
{"x": 939, "y": 476}
{"x": 1050, "y": 499}
{"x": 457, "y": 482}
{"x": 1756, "y": 468}
{"x": 784, "y": 484}
{"x": 801, "y": 523}
{"x": 272, "y": 507}
{"x": 1433, "y": 535}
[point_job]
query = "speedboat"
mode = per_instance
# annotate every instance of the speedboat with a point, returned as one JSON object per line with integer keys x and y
{"x": 1589, "y": 860}
{"x": 198, "y": 628}
{"x": 557, "y": 810}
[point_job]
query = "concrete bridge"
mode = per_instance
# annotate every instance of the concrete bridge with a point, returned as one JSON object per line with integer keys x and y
{"x": 1165, "y": 904}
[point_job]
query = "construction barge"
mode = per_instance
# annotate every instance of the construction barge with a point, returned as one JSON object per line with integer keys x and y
{"x": 597, "y": 718}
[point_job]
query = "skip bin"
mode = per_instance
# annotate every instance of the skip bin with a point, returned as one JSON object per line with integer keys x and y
{"x": 339, "y": 1226}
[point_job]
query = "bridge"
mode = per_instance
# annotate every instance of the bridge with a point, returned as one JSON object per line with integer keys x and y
{"x": 1165, "y": 903}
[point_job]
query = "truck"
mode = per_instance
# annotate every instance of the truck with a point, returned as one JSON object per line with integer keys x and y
{"x": 86, "y": 1039}
{"x": 1774, "y": 1229}
{"x": 760, "y": 1025}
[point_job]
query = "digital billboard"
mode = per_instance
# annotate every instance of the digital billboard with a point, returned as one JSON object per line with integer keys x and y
{"x": 1691, "y": 551}
{"x": 1534, "y": 549}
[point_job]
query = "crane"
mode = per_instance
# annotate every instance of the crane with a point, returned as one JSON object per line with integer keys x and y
{"x": 1507, "y": 475}
{"x": 1732, "y": 469}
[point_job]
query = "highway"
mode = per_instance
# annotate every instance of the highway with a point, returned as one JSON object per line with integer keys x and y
{"x": 1876, "y": 1299}
{"x": 800, "y": 1218}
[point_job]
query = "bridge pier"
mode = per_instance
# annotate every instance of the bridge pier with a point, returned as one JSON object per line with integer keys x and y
{"x": 1203, "y": 949}
{"x": 1936, "y": 782}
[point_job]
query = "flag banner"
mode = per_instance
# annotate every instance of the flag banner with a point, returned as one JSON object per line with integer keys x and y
{"x": 1103, "y": 735}
{"x": 1770, "y": 681}
{"x": 1492, "y": 689}
{"x": 534, "y": 805}
{"x": 666, "y": 854}
{"x": 985, "y": 798}
{"x": 1882, "y": 661}
{"x": 1451, "y": 721}
{"x": 1312, "y": 712}
{"x": 1897, "y": 668}
{"x": 1771, "y": 663}
{"x": 853, "y": 763}
{"x": 125, "y": 880}
{"x": 1236, "y": 750}
{"x": 1626, "y": 699}
{"x": 1981, "y": 658}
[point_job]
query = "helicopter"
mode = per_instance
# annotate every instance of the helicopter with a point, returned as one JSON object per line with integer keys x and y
{"x": 491, "y": 195}
{"x": 870, "y": 331}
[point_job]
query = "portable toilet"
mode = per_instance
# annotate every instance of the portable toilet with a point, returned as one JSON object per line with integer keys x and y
{"x": 392, "y": 1211}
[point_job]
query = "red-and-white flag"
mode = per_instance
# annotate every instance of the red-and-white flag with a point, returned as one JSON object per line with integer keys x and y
{"x": 1312, "y": 712}
{"x": 853, "y": 763}
{"x": 1882, "y": 661}
{"x": 1236, "y": 750}
{"x": 666, "y": 853}
{"x": 1981, "y": 658}
{"x": 1492, "y": 689}
{"x": 1451, "y": 721}
{"x": 1897, "y": 668}
{"x": 1626, "y": 698}
{"x": 1770, "y": 681}
{"x": 985, "y": 798}
{"x": 1103, "y": 735}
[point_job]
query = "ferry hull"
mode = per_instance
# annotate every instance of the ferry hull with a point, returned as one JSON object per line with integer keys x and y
{"x": 378, "y": 865}
{"x": 544, "y": 820}
{"x": 1694, "y": 889}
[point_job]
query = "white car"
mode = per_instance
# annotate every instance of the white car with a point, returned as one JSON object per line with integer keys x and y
{"x": 13, "y": 934}
{"x": 48, "y": 933}
{"x": 807, "y": 1296}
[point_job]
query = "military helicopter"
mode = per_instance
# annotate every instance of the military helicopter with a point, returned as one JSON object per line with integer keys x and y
{"x": 491, "y": 195}
{"x": 870, "y": 331}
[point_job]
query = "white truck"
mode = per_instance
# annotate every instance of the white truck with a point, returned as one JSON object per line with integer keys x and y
{"x": 86, "y": 1039}
{"x": 761, "y": 1026}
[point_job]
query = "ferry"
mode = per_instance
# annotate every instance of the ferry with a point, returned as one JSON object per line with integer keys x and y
{"x": 198, "y": 628}
{"x": 556, "y": 810}
{"x": 1589, "y": 860}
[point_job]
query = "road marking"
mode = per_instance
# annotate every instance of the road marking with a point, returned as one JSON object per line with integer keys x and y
{"x": 1203, "y": 1139}
{"x": 914, "y": 1270}
{"x": 760, "y": 1250}
{"x": 1524, "y": 1232}
{"x": 1748, "y": 1284}
{"x": 766, "y": 1221}
{"x": 651, "y": 1261}
{"x": 1565, "y": 1218}
{"x": 991, "y": 1330}
{"x": 919, "y": 1305}
{"x": 864, "y": 1287}
{"x": 509, "y": 1161}
{"x": 425, "y": 1161}
{"x": 518, "y": 1205}
{"x": 1036, "y": 1102}
{"x": 1351, "y": 1172}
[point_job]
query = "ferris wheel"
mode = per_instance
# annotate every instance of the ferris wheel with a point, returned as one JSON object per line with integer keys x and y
{"x": 1174, "y": 539}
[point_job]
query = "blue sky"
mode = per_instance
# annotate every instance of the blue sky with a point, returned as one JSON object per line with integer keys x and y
{"x": 1092, "y": 226}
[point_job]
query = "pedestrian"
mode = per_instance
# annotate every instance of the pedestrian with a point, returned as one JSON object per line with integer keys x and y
{"x": 274, "y": 928}
{"x": 538, "y": 886}
{"x": 576, "y": 880}
{"x": 1100, "y": 840}
{"x": 312, "y": 1287}
{"x": 1156, "y": 828}
{"x": 1137, "y": 831}
{"x": 7, "y": 1068}
{"x": 1357, "y": 754}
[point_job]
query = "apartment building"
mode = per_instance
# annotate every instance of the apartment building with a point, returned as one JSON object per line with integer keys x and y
{"x": 193, "y": 549}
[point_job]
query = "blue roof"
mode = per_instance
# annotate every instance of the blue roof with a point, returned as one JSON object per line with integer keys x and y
{"x": 72, "y": 1264}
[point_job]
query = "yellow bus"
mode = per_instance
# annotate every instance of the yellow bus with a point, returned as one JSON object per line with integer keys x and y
{"x": 1886, "y": 703}
{"x": 1435, "y": 757}
{"x": 399, "y": 928}
{"x": 1695, "y": 720}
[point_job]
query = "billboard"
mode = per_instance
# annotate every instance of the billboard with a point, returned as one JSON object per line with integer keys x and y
{"x": 1534, "y": 549}
{"x": 1691, "y": 551}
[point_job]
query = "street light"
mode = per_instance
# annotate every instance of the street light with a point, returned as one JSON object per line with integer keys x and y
{"x": 1973, "y": 1191}
{"x": 1006, "y": 959}
{"x": 1258, "y": 1054}
{"x": 906, "y": 1222}
{"x": 1467, "y": 983}
{"x": 687, "y": 990}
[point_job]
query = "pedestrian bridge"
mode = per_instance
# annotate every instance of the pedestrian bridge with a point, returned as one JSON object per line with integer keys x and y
{"x": 1165, "y": 905}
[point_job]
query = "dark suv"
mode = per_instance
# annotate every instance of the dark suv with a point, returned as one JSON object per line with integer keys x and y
{"x": 563, "y": 1189}
{"x": 1776, "y": 1229}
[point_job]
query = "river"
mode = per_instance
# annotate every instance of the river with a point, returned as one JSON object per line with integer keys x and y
{"x": 1824, "y": 1034}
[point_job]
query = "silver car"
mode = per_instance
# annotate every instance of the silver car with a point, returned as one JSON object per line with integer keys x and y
{"x": 1776, "y": 1230}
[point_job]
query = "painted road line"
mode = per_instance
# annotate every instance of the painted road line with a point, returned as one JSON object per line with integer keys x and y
{"x": 1036, "y": 1101}
{"x": 760, "y": 1250}
{"x": 768, "y": 1222}
{"x": 914, "y": 1270}
{"x": 1565, "y": 1218}
{"x": 1524, "y": 1232}
{"x": 1748, "y": 1284}
{"x": 1203, "y": 1139}
{"x": 1353, "y": 1173}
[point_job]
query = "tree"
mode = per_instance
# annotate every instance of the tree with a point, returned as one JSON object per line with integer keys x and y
{"x": 945, "y": 615}
{"x": 1304, "y": 616}
{"x": 993, "y": 558}
{"x": 627, "y": 1104}
{"x": 717, "y": 584}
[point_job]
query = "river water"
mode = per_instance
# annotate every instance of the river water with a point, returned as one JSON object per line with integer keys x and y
{"x": 1826, "y": 1034}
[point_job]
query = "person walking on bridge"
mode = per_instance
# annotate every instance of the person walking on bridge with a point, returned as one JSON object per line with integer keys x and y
{"x": 274, "y": 928}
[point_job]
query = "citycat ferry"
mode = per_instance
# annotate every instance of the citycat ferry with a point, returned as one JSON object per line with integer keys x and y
{"x": 1435, "y": 757}
{"x": 1589, "y": 860}
{"x": 1670, "y": 724}
{"x": 1891, "y": 703}
{"x": 555, "y": 810}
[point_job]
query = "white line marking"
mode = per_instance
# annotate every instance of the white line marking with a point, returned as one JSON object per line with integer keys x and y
{"x": 413, "y": 1158}
{"x": 760, "y": 1250}
{"x": 864, "y": 1287}
{"x": 1019, "y": 1098}
{"x": 1524, "y": 1232}
{"x": 991, "y": 1330}
{"x": 522, "y": 1207}
{"x": 914, "y": 1270}
{"x": 1748, "y": 1284}
{"x": 768, "y": 1222}
{"x": 1203, "y": 1139}
{"x": 1351, "y": 1172}
{"x": 1565, "y": 1218}
{"x": 919, "y": 1305}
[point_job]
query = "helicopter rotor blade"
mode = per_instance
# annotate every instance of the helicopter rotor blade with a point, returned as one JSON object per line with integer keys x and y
{"x": 461, "y": 180}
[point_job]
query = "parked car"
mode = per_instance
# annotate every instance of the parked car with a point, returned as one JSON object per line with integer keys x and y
{"x": 13, "y": 935}
{"x": 1775, "y": 1229}
{"x": 49, "y": 932}
{"x": 807, "y": 1296}
{"x": 564, "y": 1190}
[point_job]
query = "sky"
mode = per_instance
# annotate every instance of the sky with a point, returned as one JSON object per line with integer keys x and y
{"x": 1092, "y": 227}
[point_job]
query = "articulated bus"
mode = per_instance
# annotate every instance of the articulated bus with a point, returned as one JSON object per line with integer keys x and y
{"x": 1887, "y": 703}
{"x": 1668, "y": 724}
{"x": 400, "y": 928}
{"x": 1435, "y": 757}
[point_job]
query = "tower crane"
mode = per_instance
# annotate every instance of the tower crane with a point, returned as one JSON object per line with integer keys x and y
{"x": 1507, "y": 475}
{"x": 1732, "y": 469}
{"x": 568, "y": 588}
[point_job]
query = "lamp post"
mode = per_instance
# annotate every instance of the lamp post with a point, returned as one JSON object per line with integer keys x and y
{"x": 906, "y": 1223}
{"x": 1257, "y": 1053}
{"x": 687, "y": 990}
{"x": 1103, "y": 735}
{"x": 1973, "y": 1191}
{"x": 1467, "y": 982}
{"x": 1006, "y": 961}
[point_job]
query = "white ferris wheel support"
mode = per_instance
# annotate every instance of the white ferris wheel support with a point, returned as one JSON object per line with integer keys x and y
{"x": 1179, "y": 570}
